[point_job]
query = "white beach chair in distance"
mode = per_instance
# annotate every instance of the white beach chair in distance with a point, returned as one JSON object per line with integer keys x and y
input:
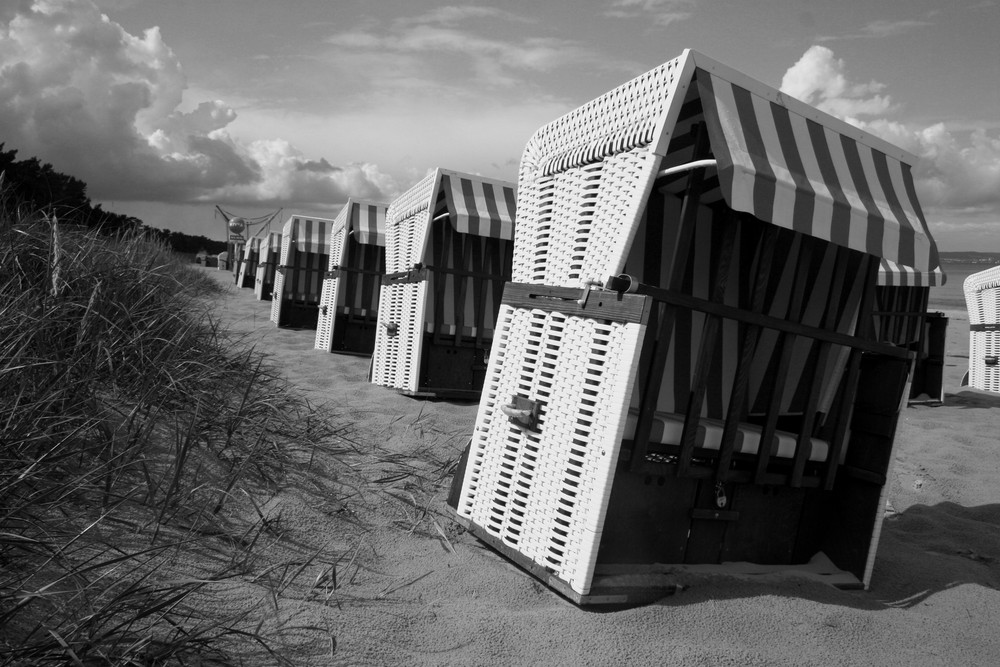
{"x": 263, "y": 280}
{"x": 449, "y": 243}
{"x": 348, "y": 309}
{"x": 298, "y": 280}
{"x": 982, "y": 298}
{"x": 249, "y": 261}
{"x": 684, "y": 372}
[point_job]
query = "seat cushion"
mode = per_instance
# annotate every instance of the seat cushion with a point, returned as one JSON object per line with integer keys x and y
{"x": 667, "y": 428}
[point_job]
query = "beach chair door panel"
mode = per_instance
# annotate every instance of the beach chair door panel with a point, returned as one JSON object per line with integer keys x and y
{"x": 398, "y": 340}
{"x": 330, "y": 296}
{"x": 573, "y": 375}
{"x": 280, "y": 278}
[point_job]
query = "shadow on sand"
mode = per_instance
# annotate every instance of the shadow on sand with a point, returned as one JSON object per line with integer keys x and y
{"x": 923, "y": 551}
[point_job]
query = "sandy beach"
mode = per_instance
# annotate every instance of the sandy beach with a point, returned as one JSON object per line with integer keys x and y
{"x": 430, "y": 594}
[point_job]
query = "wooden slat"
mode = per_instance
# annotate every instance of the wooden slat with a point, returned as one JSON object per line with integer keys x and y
{"x": 758, "y": 319}
{"x": 709, "y": 341}
{"x": 869, "y": 268}
{"x": 738, "y": 395}
{"x": 459, "y": 258}
{"x": 601, "y": 305}
{"x": 663, "y": 330}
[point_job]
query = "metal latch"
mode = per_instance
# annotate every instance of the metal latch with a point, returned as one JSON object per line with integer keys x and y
{"x": 522, "y": 411}
{"x": 586, "y": 291}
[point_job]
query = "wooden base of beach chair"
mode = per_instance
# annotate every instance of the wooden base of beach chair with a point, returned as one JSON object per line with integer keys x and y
{"x": 353, "y": 335}
{"x": 928, "y": 370}
{"x": 298, "y": 316}
{"x": 662, "y": 523}
{"x": 451, "y": 369}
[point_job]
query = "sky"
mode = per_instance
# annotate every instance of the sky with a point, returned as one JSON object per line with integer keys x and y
{"x": 169, "y": 108}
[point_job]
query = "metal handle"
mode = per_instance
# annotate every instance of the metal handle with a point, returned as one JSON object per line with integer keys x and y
{"x": 522, "y": 411}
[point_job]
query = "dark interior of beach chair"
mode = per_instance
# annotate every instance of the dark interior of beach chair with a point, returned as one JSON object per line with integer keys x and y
{"x": 754, "y": 331}
{"x": 266, "y": 272}
{"x": 901, "y": 318}
{"x": 355, "y": 320}
{"x": 304, "y": 273}
{"x": 466, "y": 275}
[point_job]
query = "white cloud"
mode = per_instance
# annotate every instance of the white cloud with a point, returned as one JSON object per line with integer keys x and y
{"x": 958, "y": 173}
{"x": 820, "y": 79}
{"x": 79, "y": 91}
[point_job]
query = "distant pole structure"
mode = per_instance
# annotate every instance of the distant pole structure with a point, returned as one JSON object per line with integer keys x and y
{"x": 238, "y": 227}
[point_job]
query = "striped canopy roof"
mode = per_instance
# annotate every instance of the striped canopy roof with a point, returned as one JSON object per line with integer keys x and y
{"x": 274, "y": 241}
{"x": 891, "y": 274}
{"x": 309, "y": 234}
{"x": 794, "y": 166}
{"x": 480, "y": 206}
{"x": 366, "y": 219}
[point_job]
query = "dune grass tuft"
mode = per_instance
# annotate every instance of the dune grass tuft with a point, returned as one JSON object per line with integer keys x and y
{"x": 130, "y": 429}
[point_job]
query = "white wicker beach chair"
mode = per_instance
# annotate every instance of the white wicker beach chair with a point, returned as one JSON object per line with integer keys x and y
{"x": 901, "y": 318}
{"x": 263, "y": 279}
{"x": 236, "y": 259}
{"x": 448, "y": 255}
{"x": 348, "y": 308}
{"x": 982, "y": 297}
{"x": 684, "y": 370}
{"x": 249, "y": 261}
{"x": 298, "y": 280}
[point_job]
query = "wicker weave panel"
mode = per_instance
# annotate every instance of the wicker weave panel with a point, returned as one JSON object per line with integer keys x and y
{"x": 982, "y": 298}
{"x": 395, "y": 361}
{"x": 545, "y": 492}
{"x": 620, "y": 120}
{"x": 406, "y": 225}
{"x": 329, "y": 299}
{"x": 595, "y": 208}
{"x": 279, "y": 281}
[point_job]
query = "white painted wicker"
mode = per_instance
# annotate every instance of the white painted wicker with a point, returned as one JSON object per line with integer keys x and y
{"x": 332, "y": 283}
{"x": 541, "y": 492}
{"x": 407, "y": 307}
{"x": 982, "y": 298}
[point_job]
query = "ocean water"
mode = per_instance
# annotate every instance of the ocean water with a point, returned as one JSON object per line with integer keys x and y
{"x": 951, "y": 296}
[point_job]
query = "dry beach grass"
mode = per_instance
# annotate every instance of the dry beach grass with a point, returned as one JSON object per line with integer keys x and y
{"x": 294, "y": 513}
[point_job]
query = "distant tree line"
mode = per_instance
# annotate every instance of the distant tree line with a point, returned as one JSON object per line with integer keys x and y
{"x": 36, "y": 186}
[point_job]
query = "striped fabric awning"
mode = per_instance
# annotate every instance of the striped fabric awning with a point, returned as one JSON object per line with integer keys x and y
{"x": 891, "y": 274}
{"x": 309, "y": 234}
{"x": 795, "y": 167}
{"x": 368, "y": 222}
{"x": 481, "y": 207}
{"x": 274, "y": 242}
